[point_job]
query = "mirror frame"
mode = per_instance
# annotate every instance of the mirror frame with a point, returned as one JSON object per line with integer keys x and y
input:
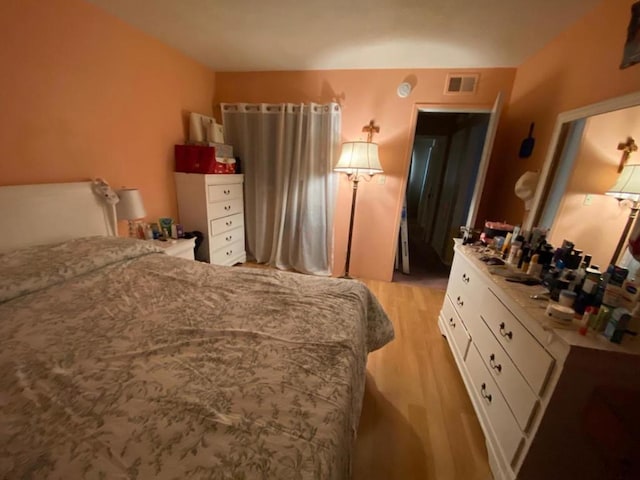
{"x": 606, "y": 106}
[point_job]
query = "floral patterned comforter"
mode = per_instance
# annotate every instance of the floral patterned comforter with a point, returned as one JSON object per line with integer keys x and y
{"x": 118, "y": 361}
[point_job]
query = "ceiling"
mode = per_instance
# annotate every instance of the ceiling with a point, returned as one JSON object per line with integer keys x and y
{"x": 252, "y": 35}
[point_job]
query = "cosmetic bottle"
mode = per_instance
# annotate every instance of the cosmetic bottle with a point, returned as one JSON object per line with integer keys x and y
{"x": 516, "y": 245}
{"x": 587, "y": 294}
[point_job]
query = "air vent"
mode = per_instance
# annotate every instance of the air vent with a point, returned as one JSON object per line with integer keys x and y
{"x": 457, "y": 84}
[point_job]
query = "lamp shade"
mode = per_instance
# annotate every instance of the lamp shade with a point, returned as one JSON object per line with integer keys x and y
{"x": 130, "y": 206}
{"x": 628, "y": 183}
{"x": 359, "y": 158}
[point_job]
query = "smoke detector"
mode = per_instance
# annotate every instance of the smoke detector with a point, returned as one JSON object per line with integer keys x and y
{"x": 404, "y": 89}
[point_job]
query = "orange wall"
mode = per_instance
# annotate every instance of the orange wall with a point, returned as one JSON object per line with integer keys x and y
{"x": 365, "y": 95}
{"x": 84, "y": 95}
{"x": 595, "y": 171}
{"x": 577, "y": 68}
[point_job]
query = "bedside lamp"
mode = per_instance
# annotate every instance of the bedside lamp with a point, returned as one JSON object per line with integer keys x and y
{"x": 357, "y": 159}
{"x": 627, "y": 187}
{"x": 130, "y": 208}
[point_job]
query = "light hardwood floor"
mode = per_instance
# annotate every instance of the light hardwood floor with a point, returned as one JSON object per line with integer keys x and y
{"x": 417, "y": 420}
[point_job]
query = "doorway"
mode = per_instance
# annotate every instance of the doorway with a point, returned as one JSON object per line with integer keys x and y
{"x": 445, "y": 161}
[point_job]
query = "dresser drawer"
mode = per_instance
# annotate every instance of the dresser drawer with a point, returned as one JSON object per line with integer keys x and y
{"x": 465, "y": 287}
{"x": 218, "y": 193}
{"x": 530, "y": 358}
{"x": 516, "y": 391}
{"x": 227, "y": 238}
{"x": 501, "y": 422}
{"x": 227, "y": 254}
{"x": 225, "y": 224}
{"x": 224, "y": 209}
{"x": 456, "y": 330}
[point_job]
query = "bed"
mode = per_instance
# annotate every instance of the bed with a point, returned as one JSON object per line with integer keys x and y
{"x": 119, "y": 361}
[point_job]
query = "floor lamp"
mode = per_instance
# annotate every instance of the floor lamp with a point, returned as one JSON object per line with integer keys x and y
{"x": 357, "y": 160}
{"x": 627, "y": 187}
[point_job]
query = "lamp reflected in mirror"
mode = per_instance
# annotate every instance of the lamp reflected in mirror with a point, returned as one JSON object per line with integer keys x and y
{"x": 627, "y": 188}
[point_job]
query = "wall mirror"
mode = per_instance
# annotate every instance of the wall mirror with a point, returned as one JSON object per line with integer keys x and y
{"x": 582, "y": 163}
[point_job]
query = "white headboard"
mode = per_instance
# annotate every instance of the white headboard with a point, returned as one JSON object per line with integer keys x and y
{"x": 40, "y": 214}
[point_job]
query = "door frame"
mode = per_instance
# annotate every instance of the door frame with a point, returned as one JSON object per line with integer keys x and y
{"x": 605, "y": 106}
{"x": 435, "y": 108}
{"x": 447, "y": 108}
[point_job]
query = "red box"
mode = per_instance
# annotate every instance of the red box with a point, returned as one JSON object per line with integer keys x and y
{"x": 201, "y": 159}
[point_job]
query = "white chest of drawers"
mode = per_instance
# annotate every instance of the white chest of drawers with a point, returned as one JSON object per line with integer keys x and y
{"x": 534, "y": 385}
{"x": 214, "y": 205}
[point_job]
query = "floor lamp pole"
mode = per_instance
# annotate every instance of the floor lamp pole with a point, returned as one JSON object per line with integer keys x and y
{"x": 353, "y": 211}
{"x": 625, "y": 233}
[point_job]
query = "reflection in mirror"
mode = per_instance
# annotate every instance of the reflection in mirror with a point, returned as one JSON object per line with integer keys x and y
{"x": 581, "y": 166}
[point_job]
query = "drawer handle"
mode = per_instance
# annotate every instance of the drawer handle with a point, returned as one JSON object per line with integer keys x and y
{"x": 465, "y": 278}
{"x": 452, "y": 323}
{"x": 229, "y": 252}
{"x": 227, "y": 192}
{"x": 227, "y": 207}
{"x": 509, "y": 335}
{"x": 459, "y": 302}
{"x": 494, "y": 365}
{"x": 229, "y": 223}
{"x": 228, "y": 239}
{"x": 483, "y": 392}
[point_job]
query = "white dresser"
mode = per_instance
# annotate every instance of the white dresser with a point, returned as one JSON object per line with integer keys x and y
{"x": 214, "y": 205}
{"x": 538, "y": 387}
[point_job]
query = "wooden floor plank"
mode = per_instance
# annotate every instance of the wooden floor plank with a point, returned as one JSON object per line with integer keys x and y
{"x": 417, "y": 420}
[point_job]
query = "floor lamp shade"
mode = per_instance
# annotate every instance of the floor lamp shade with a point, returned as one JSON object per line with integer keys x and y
{"x": 628, "y": 183}
{"x": 357, "y": 159}
{"x": 627, "y": 187}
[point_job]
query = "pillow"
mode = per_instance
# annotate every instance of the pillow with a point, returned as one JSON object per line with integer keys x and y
{"x": 31, "y": 269}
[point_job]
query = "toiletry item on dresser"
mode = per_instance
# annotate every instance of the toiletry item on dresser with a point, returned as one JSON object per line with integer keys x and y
{"x": 506, "y": 244}
{"x": 617, "y": 325}
{"x": 515, "y": 251}
{"x": 546, "y": 255}
{"x": 560, "y": 312}
{"x": 630, "y": 294}
{"x": 535, "y": 268}
{"x": 599, "y": 322}
{"x": 573, "y": 259}
{"x": 581, "y": 274}
{"x": 613, "y": 292}
{"x": 526, "y": 260}
{"x": 587, "y": 294}
{"x": 589, "y": 314}
{"x": 618, "y": 275}
{"x": 556, "y": 287}
{"x": 633, "y": 327}
{"x": 567, "y": 298}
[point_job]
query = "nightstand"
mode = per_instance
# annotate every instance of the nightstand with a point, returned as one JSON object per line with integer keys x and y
{"x": 181, "y": 247}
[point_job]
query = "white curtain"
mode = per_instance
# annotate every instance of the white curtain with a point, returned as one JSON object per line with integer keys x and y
{"x": 287, "y": 153}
